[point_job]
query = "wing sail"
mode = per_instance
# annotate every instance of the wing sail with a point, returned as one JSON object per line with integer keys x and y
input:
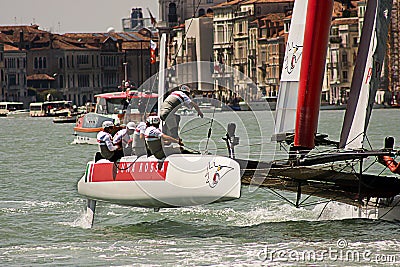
{"x": 367, "y": 73}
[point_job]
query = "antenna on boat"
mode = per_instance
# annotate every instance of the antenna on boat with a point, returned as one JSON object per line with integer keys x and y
{"x": 161, "y": 74}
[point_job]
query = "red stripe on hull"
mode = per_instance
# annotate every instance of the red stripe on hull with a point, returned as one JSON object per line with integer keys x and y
{"x": 318, "y": 22}
{"x": 129, "y": 171}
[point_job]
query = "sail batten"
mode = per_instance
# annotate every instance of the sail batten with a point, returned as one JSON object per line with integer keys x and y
{"x": 366, "y": 77}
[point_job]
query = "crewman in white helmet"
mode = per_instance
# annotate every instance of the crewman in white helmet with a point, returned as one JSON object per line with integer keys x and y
{"x": 139, "y": 146}
{"x": 155, "y": 138}
{"x": 107, "y": 149}
{"x": 171, "y": 104}
{"x": 123, "y": 138}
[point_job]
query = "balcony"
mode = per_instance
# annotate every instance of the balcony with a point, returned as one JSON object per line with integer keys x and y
{"x": 332, "y": 65}
{"x": 271, "y": 81}
{"x": 240, "y": 14}
{"x": 335, "y": 39}
{"x": 239, "y": 61}
{"x": 344, "y": 64}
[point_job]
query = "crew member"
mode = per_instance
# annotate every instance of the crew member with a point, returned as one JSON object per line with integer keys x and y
{"x": 388, "y": 161}
{"x": 107, "y": 149}
{"x": 122, "y": 138}
{"x": 154, "y": 137}
{"x": 171, "y": 105}
{"x": 139, "y": 146}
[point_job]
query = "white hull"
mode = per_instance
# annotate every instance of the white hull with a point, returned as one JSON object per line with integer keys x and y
{"x": 181, "y": 180}
{"x": 84, "y": 140}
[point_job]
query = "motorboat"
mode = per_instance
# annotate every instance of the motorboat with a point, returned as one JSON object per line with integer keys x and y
{"x": 113, "y": 107}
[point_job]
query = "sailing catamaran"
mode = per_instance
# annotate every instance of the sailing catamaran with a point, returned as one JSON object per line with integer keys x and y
{"x": 175, "y": 181}
{"x": 341, "y": 173}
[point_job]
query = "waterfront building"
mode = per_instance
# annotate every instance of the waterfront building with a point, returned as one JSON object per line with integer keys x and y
{"x": 270, "y": 51}
{"x": 237, "y": 45}
{"x": 223, "y": 48}
{"x": 175, "y": 12}
{"x": 2, "y": 77}
{"x": 394, "y": 56}
{"x": 14, "y": 72}
{"x": 195, "y": 47}
{"x": 341, "y": 56}
{"x": 76, "y": 65}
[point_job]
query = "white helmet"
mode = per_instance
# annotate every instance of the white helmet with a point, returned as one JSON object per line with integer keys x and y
{"x": 185, "y": 89}
{"x": 107, "y": 124}
{"x": 153, "y": 120}
{"x": 131, "y": 125}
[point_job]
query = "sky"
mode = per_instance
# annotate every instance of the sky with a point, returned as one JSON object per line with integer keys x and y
{"x": 61, "y": 16}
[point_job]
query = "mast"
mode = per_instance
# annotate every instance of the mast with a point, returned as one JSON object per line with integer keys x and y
{"x": 161, "y": 73}
{"x": 367, "y": 73}
{"x": 316, "y": 34}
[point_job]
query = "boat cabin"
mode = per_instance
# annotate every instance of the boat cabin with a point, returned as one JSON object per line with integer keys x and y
{"x": 6, "y": 107}
{"x": 50, "y": 108}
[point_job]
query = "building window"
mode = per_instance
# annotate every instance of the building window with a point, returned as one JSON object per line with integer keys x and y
{"x": 83, "y": 80}
{"x": 210, "y": 1}
{"x": 344, "y": 74}
{"x": 12, "y": 79}
{"x": 60, "y": 63}
{"x": 83, "y": 59}
{"x": 61, "y": 78}
{"x": 40, "y": 63}
{"x": 219, "y": 38}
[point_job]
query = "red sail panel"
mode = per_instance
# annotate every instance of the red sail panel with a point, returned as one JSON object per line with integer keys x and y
{"x": 318, "y": 22}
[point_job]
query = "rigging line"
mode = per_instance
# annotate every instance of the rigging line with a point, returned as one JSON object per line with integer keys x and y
{"x": 209, "y": 130}
{"x": 124, "y": 169}
{"x": 352, "y": 140}
{"x": 196, "y": 127}
{"x": 391, "y": 208}
{"x": 255, "y": 144}
{"x": 368, "y": 142}
{"x": 184, "y": 38}
{"x": 279, "y": 195}
{"x": 386, "y": 167}
{"x": 370, "y": 165}
{"x": 323, "y": 209}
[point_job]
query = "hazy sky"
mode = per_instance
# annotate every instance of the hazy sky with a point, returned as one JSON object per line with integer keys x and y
{"x": 60, "y": 16}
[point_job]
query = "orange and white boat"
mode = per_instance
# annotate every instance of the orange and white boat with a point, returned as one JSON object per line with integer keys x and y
{"x": 112, "y": 107}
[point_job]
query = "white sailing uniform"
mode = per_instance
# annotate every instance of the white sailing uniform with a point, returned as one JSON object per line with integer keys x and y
{"x": 153, "y": 140}
{"x": 126, "y": 145}
{"x": 106, "y": 146}
{"x": 138, "y": 145}
{"x": 168, "y": 109}
{"x": 152, "y": 134}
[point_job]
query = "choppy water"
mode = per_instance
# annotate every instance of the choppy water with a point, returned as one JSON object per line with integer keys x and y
{"x": 41, "y": 214}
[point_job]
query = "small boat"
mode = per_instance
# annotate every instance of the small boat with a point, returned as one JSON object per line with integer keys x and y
{"x": 18, "y": 113}
{"x": 265, "y": 103}
{"x": 184, "y": 111}
{"x": 206, "y": 107}
{"x": 50, "y": 108}
{"x": 116, "y": 107}
{"x": 65, "y": 119}
{"x": 12, "y": 109}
